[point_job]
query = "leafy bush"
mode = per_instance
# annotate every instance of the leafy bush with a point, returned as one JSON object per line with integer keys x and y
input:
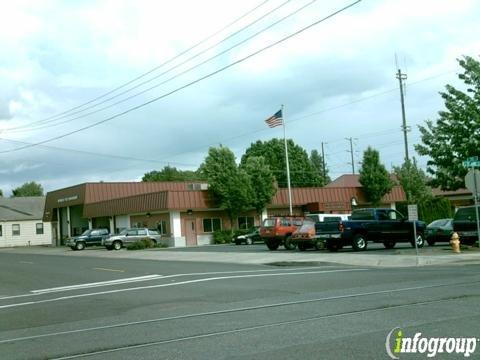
{"x": 141, "y": 244}
{"x": 222, "y": 237}
{"x": 430, "y": 209}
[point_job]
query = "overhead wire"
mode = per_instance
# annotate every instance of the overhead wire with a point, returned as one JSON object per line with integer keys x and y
{"x": 179, "y": 74}
{"x": 188, "y": 84}
{"x": 56, "y": 121}
{"x": 150, "y": 71}
{"x": 327, "y": 155}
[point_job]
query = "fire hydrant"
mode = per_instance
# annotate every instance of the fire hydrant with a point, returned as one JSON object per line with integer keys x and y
{"x": 455, "y": 242}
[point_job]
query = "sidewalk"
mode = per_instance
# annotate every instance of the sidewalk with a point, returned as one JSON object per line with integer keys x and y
{"x": 378, "y": 258}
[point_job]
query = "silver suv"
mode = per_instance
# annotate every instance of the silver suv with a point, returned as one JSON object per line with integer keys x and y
{"x": 129, "y": 236}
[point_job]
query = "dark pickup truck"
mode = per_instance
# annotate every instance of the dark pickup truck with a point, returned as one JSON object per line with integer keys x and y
{"x": 465, "y": 225}
{"x": 379, "y": 225}
{"x": 88, "y": 238}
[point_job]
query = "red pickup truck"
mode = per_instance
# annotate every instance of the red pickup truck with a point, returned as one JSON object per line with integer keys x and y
{"x": 278, "y": 230}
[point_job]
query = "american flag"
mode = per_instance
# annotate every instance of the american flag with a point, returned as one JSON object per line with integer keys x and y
{"x": 275, "y": 120}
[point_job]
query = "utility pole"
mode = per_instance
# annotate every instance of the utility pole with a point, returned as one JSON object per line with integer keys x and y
{"x": 323, "y": 167}
{"x": 400, "y": 76}
{"x": 351, "y": 153}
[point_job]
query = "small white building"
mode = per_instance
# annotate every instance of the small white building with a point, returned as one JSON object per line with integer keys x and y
{"x": 21, "y": 222}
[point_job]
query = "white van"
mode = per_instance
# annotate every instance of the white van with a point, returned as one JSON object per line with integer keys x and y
{"x": 327, "y": 217}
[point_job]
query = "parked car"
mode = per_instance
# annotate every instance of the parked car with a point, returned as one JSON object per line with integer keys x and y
{"x": 129, "y": 236}
{"x": 439, "y": 231}
{"x": 278, "y": 230}
{"x": 87, "y": 238}
{"x": 317, "y": 234}
{"x": 465, "y": 225}
{"x": 249, "y": 238}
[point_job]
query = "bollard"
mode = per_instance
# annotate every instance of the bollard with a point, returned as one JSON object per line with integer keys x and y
{"x": 455, "y": 242}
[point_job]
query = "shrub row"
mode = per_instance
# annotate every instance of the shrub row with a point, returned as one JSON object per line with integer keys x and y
{"x": 145, "y": 243}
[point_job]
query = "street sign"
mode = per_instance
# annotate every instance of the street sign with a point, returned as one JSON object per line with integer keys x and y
{"x": 471, "y": 164}
{"x": 412, "y": 213}
{"x": 472, "y": 181}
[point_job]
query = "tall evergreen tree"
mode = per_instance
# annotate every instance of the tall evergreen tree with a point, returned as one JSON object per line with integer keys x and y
{"x": 374, "y": 177}
{"x": 262, "y": 180}
{"x": 413, "y": 181}
{"x": 455, "y": 135}
{"x": 302, "y": 172}
{"x": 28, "y": 189}
{"x": 230, "y": 186}
{"x": 169, "y": 173}
{"x": 317, "y": 162}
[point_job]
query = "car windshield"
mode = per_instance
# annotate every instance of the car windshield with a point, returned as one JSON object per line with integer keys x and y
{"x": 123, "y": 232}
{"x": 465, "y": 214}
{"x": 86, "y": 232}
{"x": 438, "y": 223}
{"x": 269, "y": 222}
{"x": 306, "y": 227}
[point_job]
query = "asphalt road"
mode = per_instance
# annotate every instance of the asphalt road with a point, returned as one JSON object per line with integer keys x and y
{"x": 97, "y": 308}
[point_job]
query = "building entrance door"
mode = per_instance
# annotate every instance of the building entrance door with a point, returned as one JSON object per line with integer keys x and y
{"x": 190, "y": 232}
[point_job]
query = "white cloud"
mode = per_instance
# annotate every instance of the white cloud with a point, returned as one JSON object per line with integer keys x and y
{"x": 55, "y": 55}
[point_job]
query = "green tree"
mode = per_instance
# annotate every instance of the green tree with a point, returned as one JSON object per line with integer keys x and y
{"x": 413, "y": 181}
{"x": 302, "y": 172}
{"x": 317, "y": 162}
{"x": 229, "y": 185}
{"x": 455, "y": 135}
{"x": 169, "y": 173}
{"x": 1, "y": 193}
{"x": 262, "y": 181}
{"x": 28, "y": 189}
{"x": 374, "y": 177}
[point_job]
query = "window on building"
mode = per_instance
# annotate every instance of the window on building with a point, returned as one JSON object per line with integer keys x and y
{"x": 245, "y": 222}
{"x": 15, "y": 229}
{"x": 39, "y": 228}
{"x": 162, "y": 227}
{"x": 0, "y": 230}
{"x": 211, "y": 225}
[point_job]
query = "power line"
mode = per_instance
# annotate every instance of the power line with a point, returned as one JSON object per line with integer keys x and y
{"x": 44, "y": 125}
{"x": 122, "y": 157}
{"x": 187, "y": 84}
{"x": 150, "y": 71}
{"x": 179, "y": 74}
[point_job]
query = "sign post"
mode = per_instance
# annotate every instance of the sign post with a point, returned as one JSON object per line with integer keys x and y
{"x": 472, "y": 182}
{"x": 413, "y": 217}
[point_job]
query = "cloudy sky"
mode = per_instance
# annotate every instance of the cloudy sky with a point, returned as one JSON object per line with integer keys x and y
{"x": 75, "y": 75}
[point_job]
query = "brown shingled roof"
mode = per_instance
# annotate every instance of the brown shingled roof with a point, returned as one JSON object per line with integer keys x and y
{"x": 105, "y": 199}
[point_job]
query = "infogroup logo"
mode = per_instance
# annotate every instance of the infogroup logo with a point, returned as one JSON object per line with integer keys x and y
{"x": 397, "y": 343}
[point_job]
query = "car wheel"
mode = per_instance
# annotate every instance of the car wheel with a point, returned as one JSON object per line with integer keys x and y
{"x": 108, "y": 247}
{"x": 289, "y": 244}
{"x": 80, "y": 245}
{"x": 319, "y": 245}
{"x": 333, "y": 246}
{"x": 420, "y": 241}
{"x": 249, "y": 241}
{"x": 272, "y": 244}
{"x": 238, "y": 242}
{"x": 302, "y": 246}
{"x": 431, "y": 242}
{"x": 359, "y": 242}
{"x": 73, "y": 248}
{"x": 117, "y": 245}
{"x": 389, "y": 244}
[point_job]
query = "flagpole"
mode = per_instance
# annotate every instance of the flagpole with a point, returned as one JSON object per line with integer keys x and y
{"x": 286, "y": 160}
